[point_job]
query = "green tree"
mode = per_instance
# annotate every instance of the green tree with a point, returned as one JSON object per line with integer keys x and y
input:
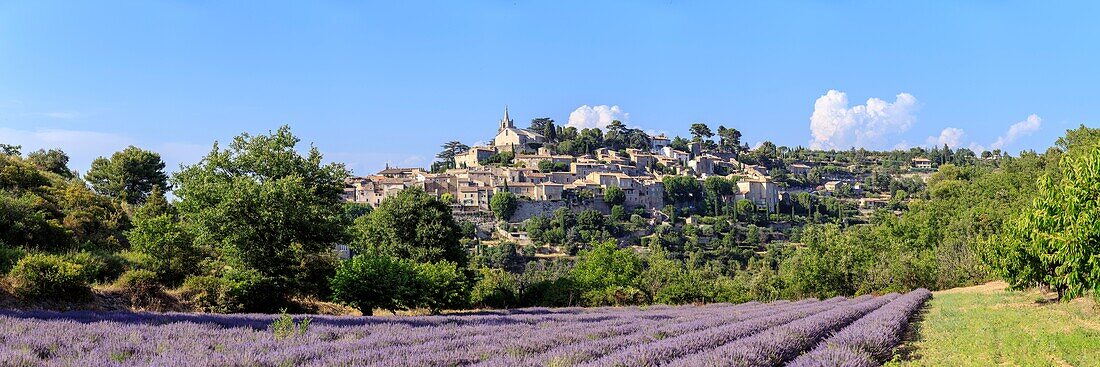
{"x": 700, "y": 131}
{"x": 503, "y": 204}
{"x": 1057, "y": 242}
{"x": 618, "y": 213}
{"x": 411, "y": 225}
{"x": 451, "y": 149}
{"x": 40, "y": 210}
{"x": 11, "y": 150}
{"x": 370, "y": 281}
{"x": 614, "y": 195}
{"x": 53, "y": 160}
{"x": 441, "y": 285}
{"x": 495, "y": 288}
{"x": 729, "y": 140}
{"x": 262, "y": 205}
{"x": 158, "y": 235}
{"x": 680, "y": 144}
{"x": 682, "y": 189}
{"x": 605, "y": 267}
{"x": 716, "y": 189}
{"x": 545, "y": 126}
{"x": 128, "y": 175}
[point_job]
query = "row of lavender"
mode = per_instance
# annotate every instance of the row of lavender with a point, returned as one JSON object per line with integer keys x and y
{"x": 749, "y": 334}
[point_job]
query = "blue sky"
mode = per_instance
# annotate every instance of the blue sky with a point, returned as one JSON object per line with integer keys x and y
{"x": 371, "y": 83}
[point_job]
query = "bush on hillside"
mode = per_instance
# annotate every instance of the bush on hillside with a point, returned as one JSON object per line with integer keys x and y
{"x": 236, "y": 290}
{"x": 142, "y": 287}
{"x": 45, "y": 276}
{"x": 101, "y": 267}
{"x": 496, "y": 288}
{"x": 203, "y": 292}
{"x": 248, "y": 290}
{"x": 9, "y": 256}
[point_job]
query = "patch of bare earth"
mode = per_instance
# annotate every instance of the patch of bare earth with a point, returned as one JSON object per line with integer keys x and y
{"x": 987, "y": 288}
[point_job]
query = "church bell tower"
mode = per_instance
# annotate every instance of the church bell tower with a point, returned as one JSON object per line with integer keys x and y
{"x": 505, "y": 123}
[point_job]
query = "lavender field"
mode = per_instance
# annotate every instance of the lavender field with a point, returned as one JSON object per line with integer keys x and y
{"x": 859, "y": 331}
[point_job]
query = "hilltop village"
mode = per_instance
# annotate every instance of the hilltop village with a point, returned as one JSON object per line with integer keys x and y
{"x": 769, "y": 191}
{"x": 534, "y": 172}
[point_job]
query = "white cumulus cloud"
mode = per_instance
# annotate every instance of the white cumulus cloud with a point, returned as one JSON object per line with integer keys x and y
{"x": 835, "y": 125}
{"x": 1018, "y": 130}
{"x": 952, "y": 137}
{"x": 596, "y": 116}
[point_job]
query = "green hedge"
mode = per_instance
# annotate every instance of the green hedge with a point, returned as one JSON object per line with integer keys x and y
{"x": 45, "y": 276}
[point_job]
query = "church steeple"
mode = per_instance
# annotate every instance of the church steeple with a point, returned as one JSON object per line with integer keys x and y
{"x": 506, "y": 122}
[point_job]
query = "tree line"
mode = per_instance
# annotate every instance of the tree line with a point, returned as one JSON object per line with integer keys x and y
{"x": 252, "y": 227}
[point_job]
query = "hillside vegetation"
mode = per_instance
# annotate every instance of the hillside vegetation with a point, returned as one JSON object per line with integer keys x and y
{"x": 254, "y": 224}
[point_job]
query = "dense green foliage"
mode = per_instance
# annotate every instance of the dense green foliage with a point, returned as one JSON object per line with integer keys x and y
{"x": 41, "y": 210}
{"x": 53, "y": 160}
{"x": 129, "y": 175}
{"x": 441, "y": 285}
{"x": 262, "y": 206}
{"x": 371, "y": 281}
{"x": 503, "y": 205}
{"x": 614, "y": 195}
{"x": 45, "y": 276}
{"x": 1055, "y": 241}
{"x": 411, "y": 225}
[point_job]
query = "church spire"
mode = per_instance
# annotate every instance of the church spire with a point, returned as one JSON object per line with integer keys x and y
{"x": 506, "y": 122}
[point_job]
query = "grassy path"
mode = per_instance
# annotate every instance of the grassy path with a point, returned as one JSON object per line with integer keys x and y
{"x": 987, "y": 325}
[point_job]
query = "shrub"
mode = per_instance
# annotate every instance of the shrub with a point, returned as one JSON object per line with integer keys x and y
{"x": 285, "y": 327}
{"x": 48, "y": 276}
{"x": 615, "y": 296}
{"x": 614, "y": 195}
{"x": 98, "y": 266}
{"x": 203, "y": 292}
{"x": 246, "y": 290}
{"x": 372, "y": 281}
{"x": 167, "y": 247}
{"x": 496, "y": 288}
{"x": 236, "y": 290}
{"x": 9, "y": 256}
{"x": 142, "y": 287}
{"x": 136, "y": 260}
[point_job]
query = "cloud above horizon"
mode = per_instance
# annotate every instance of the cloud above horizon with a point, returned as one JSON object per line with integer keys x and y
{"x": 835, "y": 125}
{"x": 1020, "y": 129}
{"x": 952, "y": 137}
{"x": 596, "y": 116}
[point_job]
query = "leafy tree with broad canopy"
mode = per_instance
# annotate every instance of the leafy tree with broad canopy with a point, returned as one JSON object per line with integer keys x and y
{"x": 370, "y": 281}
{"x": 411, "y": 225}
{"x": 614, "y": 195}
{"x": 260, "y": 204}
{"x": 503, "y": 204}
{"x": 1057, "y": 242}
{"x": 128, "y": 175}
{"x": 682, "y": 189}
{"x": 606, "y": 267}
